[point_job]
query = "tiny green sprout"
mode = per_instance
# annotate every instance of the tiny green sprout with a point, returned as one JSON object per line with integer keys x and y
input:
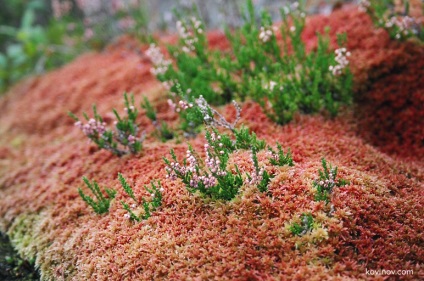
{"x": 149, "y": 205}
{"x": 102, "y": 204}
{"x": 165, "y": 132}
{"x": 150, "y": 111}
{"x": 127, "y": 188}
{"x": 306, "y": 224}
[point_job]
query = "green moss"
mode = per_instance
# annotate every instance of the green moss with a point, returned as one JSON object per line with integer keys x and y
{"x": 24, "y": 234}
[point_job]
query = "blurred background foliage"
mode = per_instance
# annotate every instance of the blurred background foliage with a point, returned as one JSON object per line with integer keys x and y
{"x": 39, "y": 35}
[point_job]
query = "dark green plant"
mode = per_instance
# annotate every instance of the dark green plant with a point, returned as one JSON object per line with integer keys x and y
{"x": 306, "y": 225}
{"x": 102, "y": 204}
{"x": 326, "y": 182}
{"x": 163, "y": 131}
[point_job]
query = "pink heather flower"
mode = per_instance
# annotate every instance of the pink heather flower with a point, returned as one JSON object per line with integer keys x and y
{"x": 172, "y": 105}
{"x": 88, "y": 34}
{"x": 191, "y": 161}
{"x": 92, "y": 127}
{"x": 78, "y": 124}
{"x": 131, "y": 139}
{"x": 256, "y": 176}
{"x": 364, "y": 5}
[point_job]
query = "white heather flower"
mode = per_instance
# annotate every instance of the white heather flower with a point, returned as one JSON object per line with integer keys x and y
{"x": 159, "y": 62}
{"x": 294, "y": 6}
{"x": 133, "y": 206}
{"x": 271, "y": 85}
{"x": 292, "y": 28}
{"x": 342, "y": 62}
{"x": 127, "y": 216}
{"x": 265, "y": 34}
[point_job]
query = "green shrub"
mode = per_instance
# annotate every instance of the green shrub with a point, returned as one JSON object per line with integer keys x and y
{"x": 283, "y": 79}
{"x": 399, "y": 25}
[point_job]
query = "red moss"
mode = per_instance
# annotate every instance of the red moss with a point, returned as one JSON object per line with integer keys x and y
{"x": 377, "y": 222}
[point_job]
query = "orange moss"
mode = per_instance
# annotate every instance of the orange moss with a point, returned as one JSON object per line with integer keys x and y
{"x": 377, "y": 222}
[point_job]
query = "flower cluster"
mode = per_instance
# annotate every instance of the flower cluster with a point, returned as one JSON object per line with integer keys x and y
{"x": 259, "y": 177}
{"x": 404, "y": 26}
{"x": 364, "y": 5}
{"x": 93, "y": 128}
{"x": 125, "y": 135}
{"x": 266, "y": 33}
{"x": 189, "y": 38}
{"x": 398, "y": 24}
{"x": 256, "y": 177}
{"x": 160, "y": 64}
{"x": 180, "y": 106}
{"x": 342, "y": 62}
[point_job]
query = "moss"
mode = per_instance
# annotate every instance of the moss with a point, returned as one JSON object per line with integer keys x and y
{"x": 12, "y": 266}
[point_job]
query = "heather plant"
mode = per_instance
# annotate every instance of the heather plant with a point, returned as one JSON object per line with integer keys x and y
{"x": 278, "y": 158}
{"x": 399, "y": 25}
{"x": 282, "y": 79}
{"x": 210, "y": 176}
{"x": 284, "y": 82}
{"x": 259, "y": 177}
{"x": 102, "y": 204}
{"x": 306, "y": 225}
{"x": 149, "y": 206}
{"x": 326, "y": 182}
{"x": 126, "y": 134}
